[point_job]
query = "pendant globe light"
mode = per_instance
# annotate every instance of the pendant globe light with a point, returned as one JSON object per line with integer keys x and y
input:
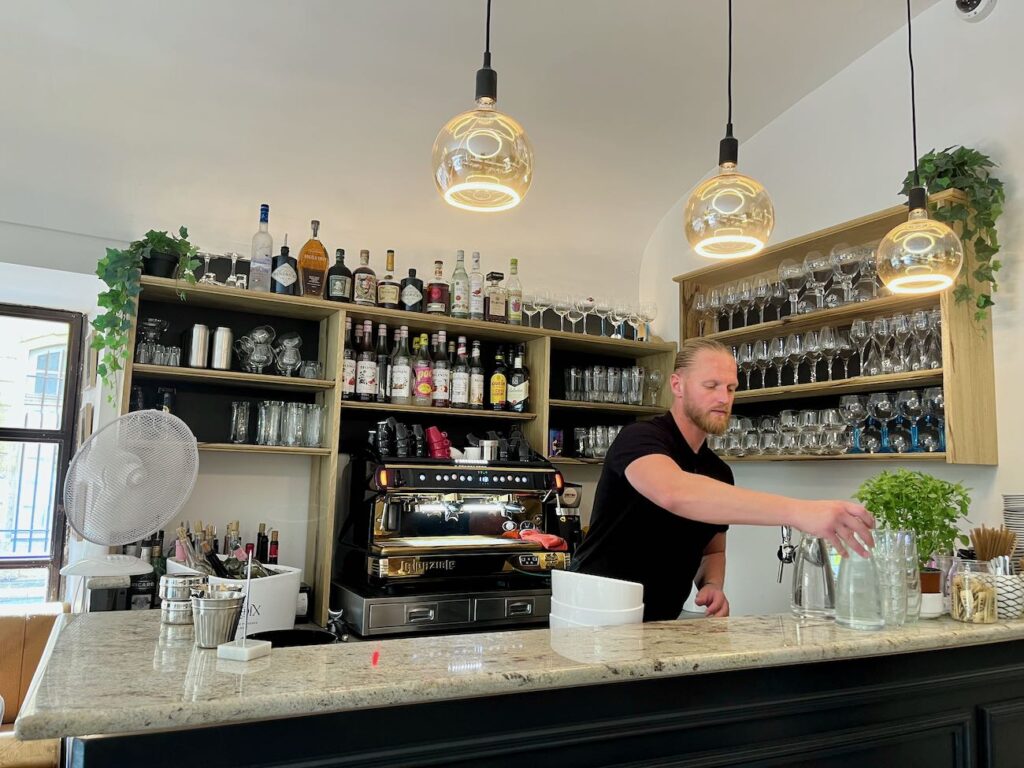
{"x": 729, "y": 216}
{"x": 483, "y": 160}
{"x": 920, "y": 255}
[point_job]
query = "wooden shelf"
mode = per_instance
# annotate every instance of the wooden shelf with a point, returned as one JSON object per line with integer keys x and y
{"x": 603, "y": 345}
{"x": 844, "y": 457}
{"x": 840, "y": 316}
{"x": 634, "y": 410}
{"x": 574, "y": 460}
{"x": 219, "y": 297}
{"x": 267, "y": 449}
{"x": 853, "y": 385}
{"x": 355, "y": 405}
{"x": 230, "y": 378}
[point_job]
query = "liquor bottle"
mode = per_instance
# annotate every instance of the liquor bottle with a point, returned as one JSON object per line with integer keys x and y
{"x": 495, "y": 309}
{"x": 401, "y": 371}
{"x": 215, "y": 562}
{"x": 442, "y": 373}
{"x": 339, "y": 280}
{"x": 389, "y": 291}
{"x": 499, "y": 383}
{"x": 348, "y": 369}
{"x": 274, "y": 547}
{"x": 476, "y": 379}
{"x": 460, "y": 287}
{"x": 313, "y": 264}
{"x": 438, "y": 292}
{"x": 412, "y": 293}
{"x": 365, "y": 291}
{"x": 285, "y": 276}
{"x": 395, "y": 344}
{"x": 423, "y": 372}
{"x": 366, "y": 366}
{"x": 262, "y": 543}
{"x": 451, "y": 354}
{"x": 514, "y": 290}
{"x": 476, "y": 290}
{"x": 460, "y": 377}
{"x": 262, "y": 257}
{"x": 518, "y": 387}
{"x": 383, "y": 394}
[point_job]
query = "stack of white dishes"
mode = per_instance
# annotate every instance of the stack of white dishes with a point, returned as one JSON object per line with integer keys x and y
{"x": 1013, "y": 516}
{"x": 582, "y": 600}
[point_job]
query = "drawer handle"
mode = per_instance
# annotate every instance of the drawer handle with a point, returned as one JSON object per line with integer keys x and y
{"x": 521, "y": 608}
{"x": 421, "y": 614}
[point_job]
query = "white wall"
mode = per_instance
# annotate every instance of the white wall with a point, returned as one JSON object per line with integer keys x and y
{"x": 842, "y": 152}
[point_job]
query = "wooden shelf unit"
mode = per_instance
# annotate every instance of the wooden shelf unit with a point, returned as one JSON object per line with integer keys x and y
{"x": 844, "y": 457}
{"x": 617, "y": 408}
{"x": 967, "y": 375}
{"x": 543, "y": 348}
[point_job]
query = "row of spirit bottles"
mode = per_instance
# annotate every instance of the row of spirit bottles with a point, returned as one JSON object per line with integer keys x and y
{"x": 430, "y": 371}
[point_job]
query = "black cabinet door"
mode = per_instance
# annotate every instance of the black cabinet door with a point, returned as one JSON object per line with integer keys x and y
{"x": 1001, "y": 734}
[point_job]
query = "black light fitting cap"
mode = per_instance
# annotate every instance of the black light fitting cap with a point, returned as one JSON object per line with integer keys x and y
{"x": 729, "y": 148}
{"x": 487, "y": 81}
{"x": 918, "y": 198}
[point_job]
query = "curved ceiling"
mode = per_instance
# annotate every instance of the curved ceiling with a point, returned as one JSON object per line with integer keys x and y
{"x": 126, "y": 115}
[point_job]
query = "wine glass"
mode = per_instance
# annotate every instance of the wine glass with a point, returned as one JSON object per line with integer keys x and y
{"x": 730, "y": 301}
{"x": 792, "y": 275}
{"x": 778, "y": 356}
{"x": 899, "y": 327}
{"x": 654, "y": 379}
{"x": 602, "y": 308}
{"x": 633, "y": 318}
{"x": 910, "y": 405}
{"x": 778, "y": 298}
{"x": 812, "y": 353}
{"x": 586, "y": 305}
{"x": 860, "y": 334}
{"x": 761, "y": 291}
{"x": 209, "y": 277}
{"x": 866, "y": 287}
{"x": 761, "y": 359}
{"x": 881, "y": 334}
{"x": 745, "y": 360}
{"x": 935, "y": 346}
{"x": 232, "y": 279}
{"x": 620, "y": 311}
{"x": 575, "y": 312}
{"x": 529, "y": 308}
{"x": 829, "y": 347}
{"x": 853, "y": 410}
{"x": 795, "y": 353}
{"x": 845, "y": 350}
{"x": 846, "y": 263}
{"x": 700, "y": 308}
{"x": 562, "y": 303}
{"x": 882, "y": 408}
{"x": 819, "y": 269}
{"x": 542, "y": 301}
{"x": 648, "y": 313}
{"x": 714, "y": 306}
{"x": 929, "y": 434}
{"x": 918, "y": 345}
{"x": 745, "y": 291}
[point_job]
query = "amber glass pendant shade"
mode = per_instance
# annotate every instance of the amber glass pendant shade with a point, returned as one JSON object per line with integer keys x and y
{"x": 729, "y": 216}
{"x": 920, "y": 255}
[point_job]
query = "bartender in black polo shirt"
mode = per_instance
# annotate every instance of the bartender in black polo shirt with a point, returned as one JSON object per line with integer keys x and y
{"x": 665, "y": 500}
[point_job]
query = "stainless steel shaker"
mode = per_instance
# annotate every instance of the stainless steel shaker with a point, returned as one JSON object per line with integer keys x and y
{"x": 222, "y": 347}
{"x": 198, "y": 346}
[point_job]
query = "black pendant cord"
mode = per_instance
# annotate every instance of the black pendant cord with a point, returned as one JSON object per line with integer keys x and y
{"x": 729, "y": 147}
{"x": 913, "y": 95}
{"x": 487, "y": 78}
{"x": 487, "y": 37}
{"x": 728, "y": 127}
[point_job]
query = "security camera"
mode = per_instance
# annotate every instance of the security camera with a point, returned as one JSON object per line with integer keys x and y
{"x": 973, "y": 10}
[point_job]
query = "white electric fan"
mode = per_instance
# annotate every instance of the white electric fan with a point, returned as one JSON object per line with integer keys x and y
{"x": 127, "y": 481}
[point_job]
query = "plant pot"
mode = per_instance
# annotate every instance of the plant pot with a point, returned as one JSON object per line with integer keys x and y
{"x": 160, "y": 264}
{"x": 931, "y": 581}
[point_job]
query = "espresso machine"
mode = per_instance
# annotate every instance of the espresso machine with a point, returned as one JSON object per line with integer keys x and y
{"x": 442, "y": 545}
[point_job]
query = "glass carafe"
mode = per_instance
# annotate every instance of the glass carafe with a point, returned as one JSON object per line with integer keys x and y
{"x": 859, "y": 594}
{"x": 814, "y": 587}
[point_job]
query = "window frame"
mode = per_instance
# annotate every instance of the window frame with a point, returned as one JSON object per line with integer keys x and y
{"x": 64, "y": 438}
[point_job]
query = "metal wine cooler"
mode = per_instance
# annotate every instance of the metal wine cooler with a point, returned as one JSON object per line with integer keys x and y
{"x": 438, "y": 546}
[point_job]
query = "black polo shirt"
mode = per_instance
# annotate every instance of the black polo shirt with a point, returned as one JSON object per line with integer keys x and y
{"x": 633, "y": 538}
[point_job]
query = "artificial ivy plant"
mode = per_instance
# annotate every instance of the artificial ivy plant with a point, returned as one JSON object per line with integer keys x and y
{"x": 120, "y": 271}
{"x": 970, "y": 171}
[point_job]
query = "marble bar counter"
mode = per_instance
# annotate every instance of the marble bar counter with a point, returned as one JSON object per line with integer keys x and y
{"x": 122, "y": 683}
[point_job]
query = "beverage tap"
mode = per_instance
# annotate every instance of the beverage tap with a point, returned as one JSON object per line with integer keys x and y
{"x": 786, "y": 549}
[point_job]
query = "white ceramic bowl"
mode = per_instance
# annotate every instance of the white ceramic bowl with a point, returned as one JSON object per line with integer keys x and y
{"x": 582, "y": 590}
{"x": 593, "y": 617}
{"x": 931, "y": 606}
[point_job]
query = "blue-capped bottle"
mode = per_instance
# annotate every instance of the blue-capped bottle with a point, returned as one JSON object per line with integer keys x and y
{"x": 261, "y": 263}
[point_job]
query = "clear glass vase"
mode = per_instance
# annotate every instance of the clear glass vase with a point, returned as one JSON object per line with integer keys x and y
{"x": 814, "y": 587}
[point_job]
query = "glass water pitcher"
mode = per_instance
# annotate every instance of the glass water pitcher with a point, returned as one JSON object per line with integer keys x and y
{"x": 814, "y": 588}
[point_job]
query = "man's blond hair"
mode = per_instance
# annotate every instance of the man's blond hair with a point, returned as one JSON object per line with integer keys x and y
{"x": 692, "y": 347}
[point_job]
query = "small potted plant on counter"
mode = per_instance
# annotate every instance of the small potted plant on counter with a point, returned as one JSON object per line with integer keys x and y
{"x": 919, "y": 502}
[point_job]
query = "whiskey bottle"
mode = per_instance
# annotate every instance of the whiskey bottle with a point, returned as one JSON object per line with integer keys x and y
{"x": 365, "y": 279}
{"x": 476, "y": 290}
{"x": 262, "y": 256}
{"x": 438, "y": 292}
{"x": 518, "y": 387}
{"x": 339, "y": 279}
{"x": 476, "y": 379}
{"x": 460, "y": 287}
{"x": 388, "y": 289}
{"x": 262, "y": 543}
{"x": 401, "y": 371}
{"x": 423, "y": 372}
{"x": 441, "y": 374}
{"x": 366, "y": 366}
{"x": 412, "y": 293}
{"x": 460, "y": 377}
{"x": 348, "y": 371}
{"x": 274, "y": 547}
{"x": 313, "y": 264}
{"x": 499, "y": 382}
{"x": 285, "y": 276}
{"x": 514, "y": 290}
{"x": 383, "y": 394}
{"x": 495, "y": 309}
